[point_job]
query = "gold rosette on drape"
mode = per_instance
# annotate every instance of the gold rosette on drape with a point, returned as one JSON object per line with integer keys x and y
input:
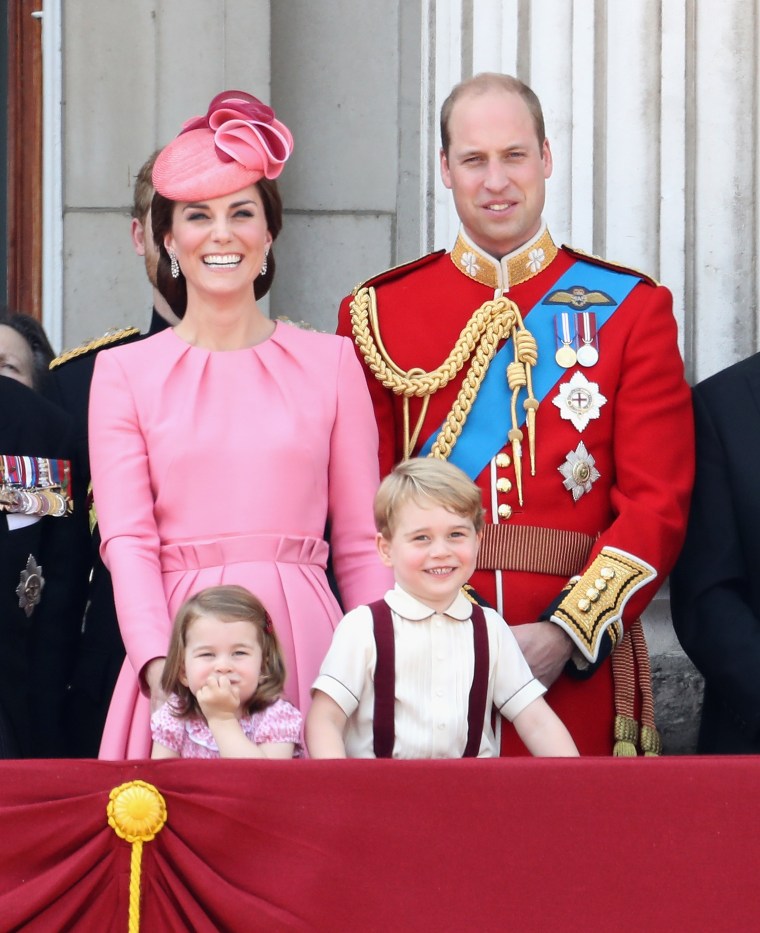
{"x": 136, "y": 813}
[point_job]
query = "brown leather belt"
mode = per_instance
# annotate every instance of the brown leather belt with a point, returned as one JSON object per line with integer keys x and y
{"x": 534, "y": 550}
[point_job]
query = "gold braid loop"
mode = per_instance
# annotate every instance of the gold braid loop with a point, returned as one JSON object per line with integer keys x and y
{"x": 517, "y": 378}
{"x": 419, "y": 383}
{"x": 478, "y": 342}
{"x": 526, "y": 348}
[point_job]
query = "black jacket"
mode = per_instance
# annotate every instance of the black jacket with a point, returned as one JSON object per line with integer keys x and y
{"x": 36, "y": 652}
{"x": 715, "y": 587}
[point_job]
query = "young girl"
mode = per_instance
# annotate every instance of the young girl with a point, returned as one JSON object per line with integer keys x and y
{"x": 223, "y": 677}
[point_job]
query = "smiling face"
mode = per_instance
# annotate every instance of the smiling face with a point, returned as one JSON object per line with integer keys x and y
{"x": 220, "y": 243}
{"x": 432, "y": 552}
{"x": 214, "y": 647}
{"x": 496, "y": 170}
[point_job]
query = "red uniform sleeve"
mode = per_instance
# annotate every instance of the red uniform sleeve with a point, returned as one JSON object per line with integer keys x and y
{"x": 652, "y": 459}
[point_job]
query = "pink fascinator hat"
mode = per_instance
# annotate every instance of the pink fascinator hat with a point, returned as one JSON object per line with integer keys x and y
{"x": 237, "y": 142}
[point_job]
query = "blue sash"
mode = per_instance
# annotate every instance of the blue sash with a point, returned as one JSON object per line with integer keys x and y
{"x": 484, "y": 435}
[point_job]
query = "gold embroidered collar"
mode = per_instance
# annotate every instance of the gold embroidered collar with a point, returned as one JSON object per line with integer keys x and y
{"x": 514, "y": 268}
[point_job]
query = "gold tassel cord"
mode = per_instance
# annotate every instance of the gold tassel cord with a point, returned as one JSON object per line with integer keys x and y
{"x": 409, "y": 442}
{"x": 455, "y": 421}
{"x": 526, "y": 352}
{"x": 624, "y": 677}
{"x": 478, "y": 342}
{"x": 650, "y": 740}
{"x": 516, "y": 380}
{"x": 632, "y": 676}
{"x": 136, "y": 812}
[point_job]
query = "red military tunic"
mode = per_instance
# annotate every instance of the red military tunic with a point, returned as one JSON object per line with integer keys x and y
{"x": 639, "y": 434}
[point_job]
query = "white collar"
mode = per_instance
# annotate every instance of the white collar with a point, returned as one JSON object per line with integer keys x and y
{"x": 405, "y": 605}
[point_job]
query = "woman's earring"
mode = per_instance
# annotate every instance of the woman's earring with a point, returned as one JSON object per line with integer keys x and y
{"x": 174, "y": 264}
{"x": 264, "y": 264}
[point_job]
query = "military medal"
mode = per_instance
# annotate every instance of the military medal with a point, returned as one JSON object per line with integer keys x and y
{"x": 585, "y": 324}
{"x": 565, "y": 355}
{"x": 579, "y": 401}
{"x": 579, "y": 471}
{"x": 35, "y": 486}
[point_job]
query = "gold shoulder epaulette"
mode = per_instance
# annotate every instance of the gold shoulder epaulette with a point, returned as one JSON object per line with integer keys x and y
{"x": 607, "y": 264}
{"x": 90, "y": 346}
{"x": 398, "y": 271}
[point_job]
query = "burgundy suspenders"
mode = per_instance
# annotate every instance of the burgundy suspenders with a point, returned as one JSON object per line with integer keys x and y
{"x": 385, "y": 681}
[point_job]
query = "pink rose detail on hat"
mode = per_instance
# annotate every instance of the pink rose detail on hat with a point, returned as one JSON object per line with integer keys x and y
{"x": 237, "y": 143}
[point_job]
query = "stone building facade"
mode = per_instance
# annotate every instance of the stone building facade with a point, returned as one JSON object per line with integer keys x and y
{"x": 651, "y": 108}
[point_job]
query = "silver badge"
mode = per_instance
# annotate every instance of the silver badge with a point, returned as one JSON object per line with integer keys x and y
{"x": 579, "y": 400}
{"x": 29, "y": 589}
{"x": 579, "y": 471}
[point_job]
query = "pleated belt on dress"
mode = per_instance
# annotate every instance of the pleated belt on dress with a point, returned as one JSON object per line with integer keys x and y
{"x": 193, "y": 555}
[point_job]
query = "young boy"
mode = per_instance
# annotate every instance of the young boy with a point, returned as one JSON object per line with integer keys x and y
{"x": 416, "y": 675}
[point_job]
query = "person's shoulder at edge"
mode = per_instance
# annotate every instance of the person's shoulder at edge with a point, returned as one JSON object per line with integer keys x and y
{"x": 395, "y": 273}
{"x": 594, "y": 260}
{"x": 726, "y": 379}
{"x": 355, "y": 620}
{"x": 89, "y": 348}
{"x": 303, "y": 336}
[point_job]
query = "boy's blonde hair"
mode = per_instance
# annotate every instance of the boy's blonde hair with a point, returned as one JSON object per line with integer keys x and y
{"x": 421, "y": 479}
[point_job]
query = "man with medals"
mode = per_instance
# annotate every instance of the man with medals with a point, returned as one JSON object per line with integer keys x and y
{"x": 555, "y": 381}
{"x": 40, "y": 553}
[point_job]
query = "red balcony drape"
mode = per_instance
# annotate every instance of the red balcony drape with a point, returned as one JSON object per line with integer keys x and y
{"x": 523, "y": 845}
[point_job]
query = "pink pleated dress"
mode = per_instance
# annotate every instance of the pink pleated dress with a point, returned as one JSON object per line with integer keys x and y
{"x": 214, "y": 467}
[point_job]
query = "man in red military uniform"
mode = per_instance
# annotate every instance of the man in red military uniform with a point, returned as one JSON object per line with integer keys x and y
{"x": 555, "y": 381}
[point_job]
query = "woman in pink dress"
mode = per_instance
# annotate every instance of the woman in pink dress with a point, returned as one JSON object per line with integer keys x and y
{"x": 223, "y": 448}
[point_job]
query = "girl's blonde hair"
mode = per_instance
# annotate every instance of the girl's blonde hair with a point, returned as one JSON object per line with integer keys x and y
{"x": 426, "y": 479}
{"x": 227, "y": 603}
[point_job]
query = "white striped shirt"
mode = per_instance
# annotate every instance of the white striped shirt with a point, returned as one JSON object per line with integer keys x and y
{"x": 434, "y": 670}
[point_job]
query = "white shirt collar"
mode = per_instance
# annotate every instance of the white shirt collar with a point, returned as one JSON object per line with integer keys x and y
{"x": 405, "y": 605}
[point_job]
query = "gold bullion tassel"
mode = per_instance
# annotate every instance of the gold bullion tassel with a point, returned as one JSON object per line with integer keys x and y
{"x": 626, "y": 737}
{"x": 531, "y": 407}
{"x": 136, "y": 813}
{"x": 516, "y": 436}
{"x": 650, "y": 742}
